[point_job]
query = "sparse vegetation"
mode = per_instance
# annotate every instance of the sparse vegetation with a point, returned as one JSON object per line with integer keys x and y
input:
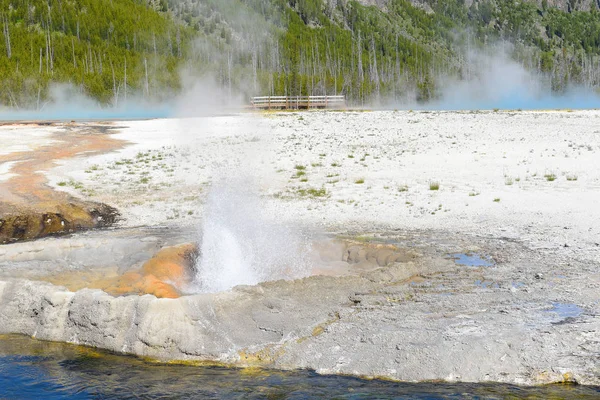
{"x": 550, "y": 177}
{"x": 434, "y": 185}
{"x": 312, "y": 192}
{"x": 359, "y": 181}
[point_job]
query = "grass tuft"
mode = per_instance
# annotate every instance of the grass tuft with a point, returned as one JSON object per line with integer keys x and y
{"x": 550, "y": 177}
{"x": 312, "y": 192}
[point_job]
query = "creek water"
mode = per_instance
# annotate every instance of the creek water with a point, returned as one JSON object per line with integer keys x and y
{"x": 32, "y": 369}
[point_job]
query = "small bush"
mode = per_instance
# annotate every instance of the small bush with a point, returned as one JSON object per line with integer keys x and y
{"x": 434, "y": 186}
{"x": 550, "y": 177}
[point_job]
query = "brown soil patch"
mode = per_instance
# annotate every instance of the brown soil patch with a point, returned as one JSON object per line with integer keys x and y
{"x": 30, "y": 209}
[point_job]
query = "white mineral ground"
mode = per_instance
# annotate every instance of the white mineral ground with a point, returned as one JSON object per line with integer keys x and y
{"x": 522, "y": 187}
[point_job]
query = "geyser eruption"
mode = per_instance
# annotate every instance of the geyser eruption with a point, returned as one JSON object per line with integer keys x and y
{"x": 242, "y": 245}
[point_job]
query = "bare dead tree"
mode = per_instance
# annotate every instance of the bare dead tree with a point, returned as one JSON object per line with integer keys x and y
{"x": 359, "y": 56}
{"x": 7, "y": 36}
{"x": 125, "y": 81}
{"x": 115, "y": 95}
{"x": 73, "y": 47}
{"x": 154, "y": 44}
{"x": 178, "y": 40}
{"x": 146, "y": 69}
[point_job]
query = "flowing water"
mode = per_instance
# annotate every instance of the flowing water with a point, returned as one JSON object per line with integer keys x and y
{"x": 31, "y": 369}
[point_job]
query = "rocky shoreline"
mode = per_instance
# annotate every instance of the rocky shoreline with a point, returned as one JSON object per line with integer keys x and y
{"x": 59, "y": 219}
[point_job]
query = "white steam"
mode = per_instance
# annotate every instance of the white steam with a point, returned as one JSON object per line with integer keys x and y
{"x": 203, "y": 96}
{"x": 67, "y": 102}
{"x": 241, "y": 244}
{"x": 492, "y": 79}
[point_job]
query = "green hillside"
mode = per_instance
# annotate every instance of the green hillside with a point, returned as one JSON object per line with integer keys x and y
{"x": 111, "y": 49}
{"x": 101, "y": 47}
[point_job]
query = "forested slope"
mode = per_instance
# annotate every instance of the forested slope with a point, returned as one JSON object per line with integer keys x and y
{"x": 111, "y": 49}
{"x": 102, "y": 47}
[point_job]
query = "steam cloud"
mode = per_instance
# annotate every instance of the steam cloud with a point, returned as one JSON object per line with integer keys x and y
{"x": 494, "y": 80}
{"x": 241, "y": 245}
{"x": 491, "y": 79}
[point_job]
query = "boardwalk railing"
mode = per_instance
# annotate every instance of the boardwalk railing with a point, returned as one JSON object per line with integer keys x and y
{"x": 297, "y": 102}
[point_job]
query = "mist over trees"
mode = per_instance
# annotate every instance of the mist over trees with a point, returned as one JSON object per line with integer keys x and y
{"x": 112, "y": 49}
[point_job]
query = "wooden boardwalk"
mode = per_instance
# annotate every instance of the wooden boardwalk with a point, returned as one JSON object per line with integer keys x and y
{"x": 297, "y": 102}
